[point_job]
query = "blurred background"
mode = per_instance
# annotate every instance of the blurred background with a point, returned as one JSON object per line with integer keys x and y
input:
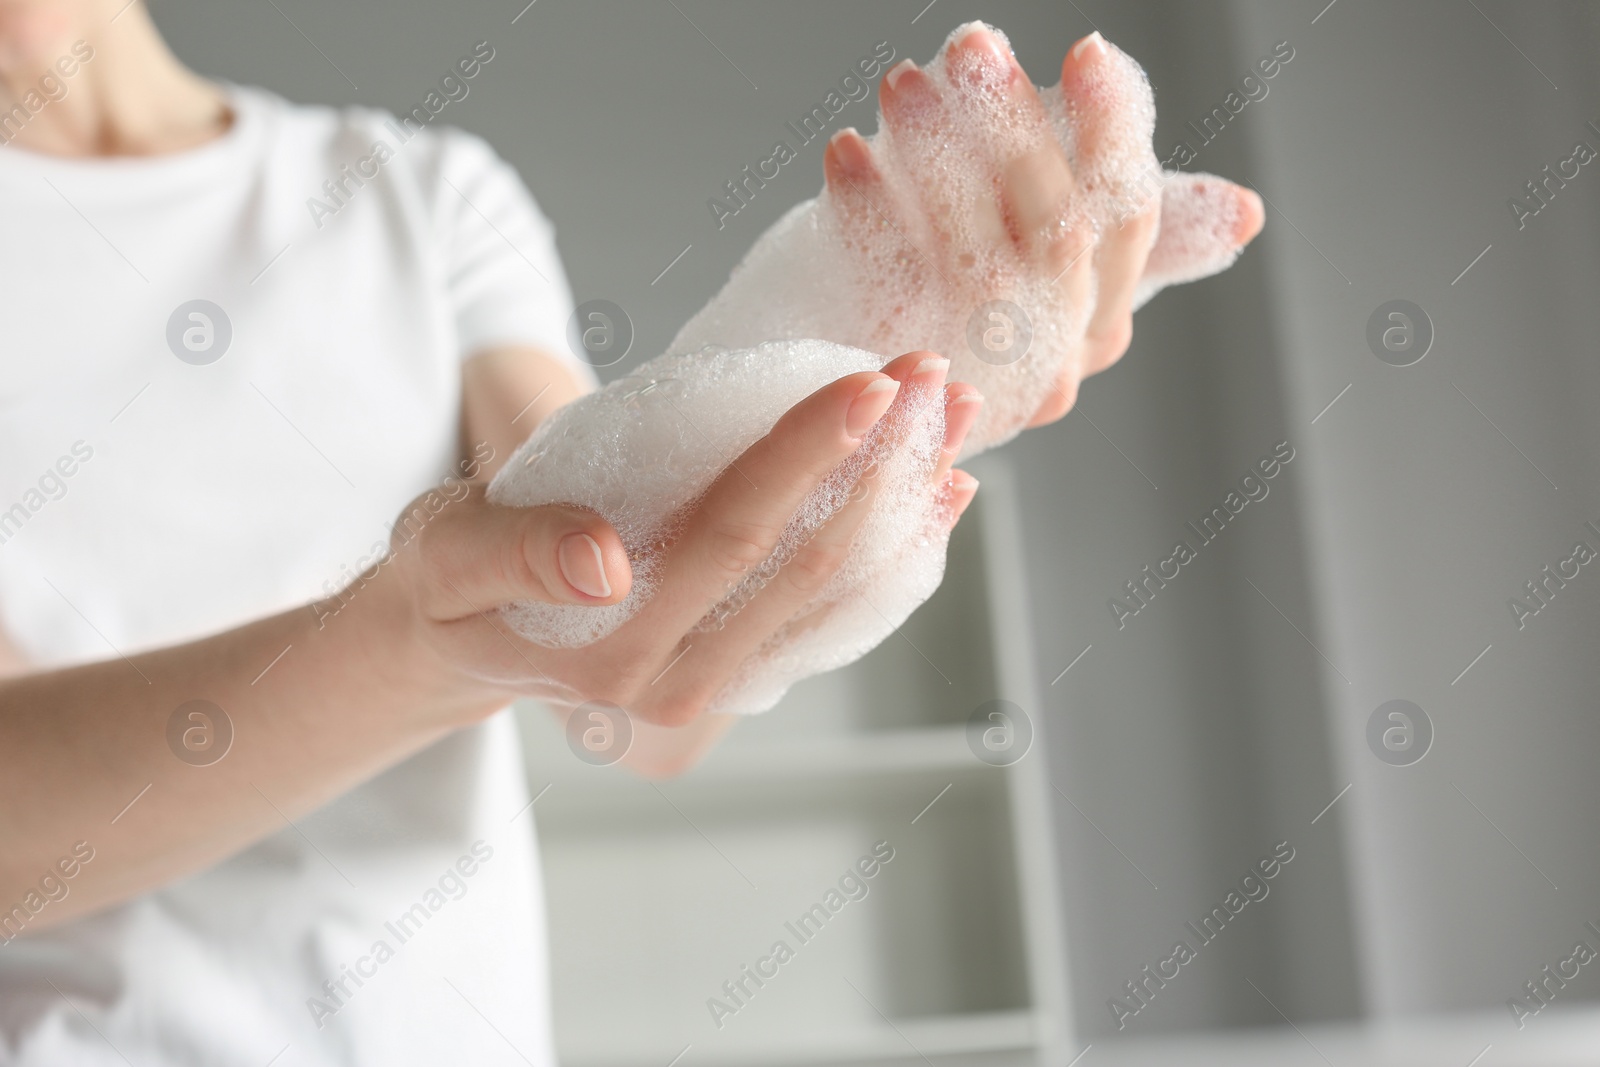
{"x": 1440, "y": 861}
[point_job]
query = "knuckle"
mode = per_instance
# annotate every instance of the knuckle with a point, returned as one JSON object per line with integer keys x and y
{"x": 1066, "y": 247}
{"x": 1108, "y": 345}
{"x": 519, "y": 565}
{"x": 1140, "y": 227}
{"x": 1065, "y": 395}
{"x": 799, "y": 446}
{"x": 616, "y": 689}
{"x": 811, "y": 568}
{"x": 679, "y": 709}
{"x": 735, "y": 547}
{"x": 434, "y": 567}
{"x": 411, "y": 525}
{"x": 1059, "y": 252}
{"x": 623, "y": 682}
{"x": 1069, "y": 401}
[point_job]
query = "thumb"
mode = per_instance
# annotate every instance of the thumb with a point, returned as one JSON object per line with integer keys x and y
{"x": 474, "y": 556}
{"x": 1205, "y": 221}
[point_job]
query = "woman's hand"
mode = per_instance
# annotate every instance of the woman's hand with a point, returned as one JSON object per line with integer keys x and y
{"x": 474, "y": 557}
{"x": 1033, "y": 227}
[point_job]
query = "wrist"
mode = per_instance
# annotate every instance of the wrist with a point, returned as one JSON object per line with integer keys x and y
{"x": 392, "y": 643}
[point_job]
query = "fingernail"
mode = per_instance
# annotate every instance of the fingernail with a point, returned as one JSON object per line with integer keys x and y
{"x": 979, "y": 38}
{"x": 851, "y": 150}
{"x": 869, "y": 405}
{"x": 898, "y": 71}
{"x": 961, "y": 488}
{"x": 931, "y": 366}
{"x": 1094, "y": 45}
{"x": 959, "y": 420}
{"x": 583, "y": 566}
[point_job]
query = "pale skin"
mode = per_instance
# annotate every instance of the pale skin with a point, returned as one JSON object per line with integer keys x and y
{"x": 421, "y": 652}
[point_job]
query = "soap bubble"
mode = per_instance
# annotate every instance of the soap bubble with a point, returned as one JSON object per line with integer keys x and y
{"x": 838, "y": 267}
{"x": 643, "y": 450}
{"x": 834, "y": 288}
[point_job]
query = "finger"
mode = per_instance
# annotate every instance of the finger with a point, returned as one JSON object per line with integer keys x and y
{"x": 1120, "y": 261}
{"x": 962, "y": 406}
{"x": 1108, "y": 99}
{"x": 1205, "y": 221}
{"x": 475, "y": 556}
{"x": 1034, "y": 181}
{"x": 916, "y": 134}
{"x": 955, "y": 493}
{"x": 848, "y": 157}
{"x": 736, "y": 526}
{"x": 959, "y": 489}
{"x": 856, "y": 184}
{"x": 1036, "y": 197}
{"x": 1113, "y": 118}
{"x": 910, "y": 102}
{"x": 1063, "y": 394}
{"x": 705, "y": 662}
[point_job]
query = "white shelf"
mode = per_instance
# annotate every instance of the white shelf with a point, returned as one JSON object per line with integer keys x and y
{"x": 1563, "y": 1038}
{"x": 908, "y": 1039}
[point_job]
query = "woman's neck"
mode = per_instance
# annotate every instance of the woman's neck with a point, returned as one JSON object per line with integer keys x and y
{"x": 129, "y": 97}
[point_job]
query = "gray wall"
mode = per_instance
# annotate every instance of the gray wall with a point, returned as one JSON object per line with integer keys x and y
{"x": 1426, "y": 516}
{"x": 1226, "y": 715}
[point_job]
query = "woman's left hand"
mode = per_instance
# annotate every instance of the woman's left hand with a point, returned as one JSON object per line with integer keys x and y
{"x": 1030, "y": 225}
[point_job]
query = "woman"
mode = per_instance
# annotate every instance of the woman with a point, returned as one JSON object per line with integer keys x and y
{"x": 262, "y": 798}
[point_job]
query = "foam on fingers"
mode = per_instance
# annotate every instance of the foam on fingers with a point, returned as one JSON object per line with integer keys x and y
{"x": 1203, "y": 229}
{"x": 927, "y": 236}
{"x": 924, "y": 259}
{"x": 918, "y": 261}
{"x": 645, "y": 449}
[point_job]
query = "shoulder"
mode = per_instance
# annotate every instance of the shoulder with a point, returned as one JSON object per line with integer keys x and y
{"x": 419, "y": 144}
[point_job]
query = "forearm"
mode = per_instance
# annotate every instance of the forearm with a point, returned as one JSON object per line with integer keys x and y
{"x": 349, "y": 697}
{"x": 506, "y": 394}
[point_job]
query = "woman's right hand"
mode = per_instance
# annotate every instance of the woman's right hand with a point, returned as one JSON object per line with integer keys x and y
{"x": 314, "y": 702}
{"x": 475, "y": 557}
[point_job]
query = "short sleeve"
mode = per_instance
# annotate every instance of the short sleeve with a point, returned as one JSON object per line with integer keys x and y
{"x": 506, "y": 283}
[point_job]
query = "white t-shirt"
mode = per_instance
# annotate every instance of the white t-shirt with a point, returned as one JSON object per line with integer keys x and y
{"x": 156, "y": 486}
